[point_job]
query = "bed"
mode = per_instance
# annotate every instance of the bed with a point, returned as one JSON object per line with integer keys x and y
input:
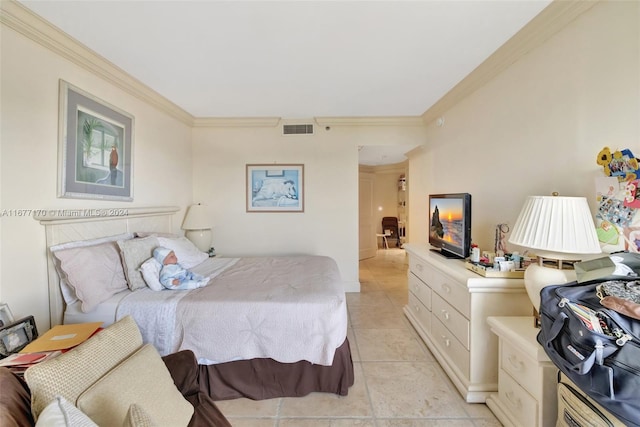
{"x": 263, "y": 327}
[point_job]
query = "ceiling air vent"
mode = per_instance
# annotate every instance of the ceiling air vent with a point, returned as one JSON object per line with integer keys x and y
{"x": 300, "y": 129}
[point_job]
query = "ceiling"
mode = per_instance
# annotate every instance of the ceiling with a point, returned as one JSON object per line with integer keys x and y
{"x": 294, "y": 59}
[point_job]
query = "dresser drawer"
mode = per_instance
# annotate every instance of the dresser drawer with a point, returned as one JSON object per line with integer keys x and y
{"x": 422, "y": 313}
{"x": 521, "y": 367}
{"x": 451, "y": 291}
{"x": 451, "y": 319}
{"x": 421, "y": 269}
{"x": 522, "y": 406}
{"x": 420, "y": 290}
{"x": 450, "y": 346}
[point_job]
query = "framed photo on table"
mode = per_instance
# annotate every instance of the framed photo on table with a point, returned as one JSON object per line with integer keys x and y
{"x": 95, "y": 147}
{"x": 15, "y": 336}
{"x": 275, "y": 188}
{"x": 6, "y": 318}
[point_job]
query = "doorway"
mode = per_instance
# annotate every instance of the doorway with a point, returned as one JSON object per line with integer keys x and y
{"x": 382, "y": 193}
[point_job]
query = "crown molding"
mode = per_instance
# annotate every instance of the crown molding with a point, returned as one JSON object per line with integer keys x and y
{"x": 320, "y": 121}
{"x": 236, "y": 121}
{"x": 551, "y": 20}
{"x": 370, "y": 121}
{"x": 19, "y": 18}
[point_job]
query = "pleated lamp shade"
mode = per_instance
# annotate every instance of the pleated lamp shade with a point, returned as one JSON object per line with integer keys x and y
{"x": 197, "y": 223}
{"x": 197, "y": 218}
{"x": 556, "y": 226}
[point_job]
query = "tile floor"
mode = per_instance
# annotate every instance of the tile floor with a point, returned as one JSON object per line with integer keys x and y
{"x": 398, "y": 383}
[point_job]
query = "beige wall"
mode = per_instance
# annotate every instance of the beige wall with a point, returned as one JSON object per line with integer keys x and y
{"x": 28, "y": 162}
{"x": 329, "y": 225}
{"x": 538, "y": 126}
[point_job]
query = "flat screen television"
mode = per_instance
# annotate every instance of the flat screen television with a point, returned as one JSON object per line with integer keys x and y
{"x": 450, "y": 224}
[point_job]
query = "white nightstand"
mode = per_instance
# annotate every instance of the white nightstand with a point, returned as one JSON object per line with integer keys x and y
{"x": 527, "y": 379}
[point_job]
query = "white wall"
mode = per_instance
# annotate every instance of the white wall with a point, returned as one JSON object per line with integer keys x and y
{"x": 329, "y": 225}
{"x": 28, "y": 162}
{"x": 538, "y": 126}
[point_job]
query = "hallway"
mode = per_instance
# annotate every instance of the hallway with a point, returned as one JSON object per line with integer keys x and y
{"x": 398, "y": 383}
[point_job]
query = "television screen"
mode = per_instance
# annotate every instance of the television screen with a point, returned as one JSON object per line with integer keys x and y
{"x": 450, "y": 223}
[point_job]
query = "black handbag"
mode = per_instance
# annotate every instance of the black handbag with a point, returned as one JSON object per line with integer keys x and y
{"x": 597, "y": 348}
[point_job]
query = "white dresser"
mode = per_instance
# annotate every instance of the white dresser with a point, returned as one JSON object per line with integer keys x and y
{"x": 527, "y": 378}
{"x": 449, "y": 305}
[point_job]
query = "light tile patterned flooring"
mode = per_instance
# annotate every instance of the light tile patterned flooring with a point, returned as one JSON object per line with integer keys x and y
{"x": 398, "y": 383}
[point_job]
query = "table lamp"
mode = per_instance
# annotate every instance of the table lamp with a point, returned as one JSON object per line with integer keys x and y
{"x": 197, "y": 226}
{"x": 559, "y": 230}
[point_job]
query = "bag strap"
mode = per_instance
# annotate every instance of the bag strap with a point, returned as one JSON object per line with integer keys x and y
{"x": 582, "y": 367}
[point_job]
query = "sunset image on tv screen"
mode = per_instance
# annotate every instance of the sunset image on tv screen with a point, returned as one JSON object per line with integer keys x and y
{"x": 447, "y": 220}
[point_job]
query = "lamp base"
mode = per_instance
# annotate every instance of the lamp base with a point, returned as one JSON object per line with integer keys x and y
{"x": 200, "y": 238}
{"x": 537, "y": 276}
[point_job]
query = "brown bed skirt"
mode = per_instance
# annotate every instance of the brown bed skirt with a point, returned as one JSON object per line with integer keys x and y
{"x": 260, "y": 379}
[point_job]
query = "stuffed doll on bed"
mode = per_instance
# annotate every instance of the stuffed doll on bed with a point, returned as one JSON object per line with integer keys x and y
{"x": 173, "y": 275}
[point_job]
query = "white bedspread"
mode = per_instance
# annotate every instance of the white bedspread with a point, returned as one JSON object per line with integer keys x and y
{"x": 285, "y": 308}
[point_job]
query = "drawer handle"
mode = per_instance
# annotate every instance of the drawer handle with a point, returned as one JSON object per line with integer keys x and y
{"x": 419, "y": 267}
{"x": 446, "y": 288}
{"x": 446, "y": 340}
{"x": 445, "y": 314}
{"x": 513, "y": 399}
{"x": 416, "y": 308}
{"x": 517, "y": 364}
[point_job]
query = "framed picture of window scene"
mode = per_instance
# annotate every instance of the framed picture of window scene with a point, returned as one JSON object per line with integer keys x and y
{"x": 275, "y": 188}
{"x": 95, "y": 148}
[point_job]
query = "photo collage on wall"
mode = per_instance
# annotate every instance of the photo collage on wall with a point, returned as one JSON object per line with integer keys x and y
{"x": 618, "y": 196}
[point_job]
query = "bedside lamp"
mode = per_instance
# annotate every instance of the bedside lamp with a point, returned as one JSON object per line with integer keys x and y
{"x": 197, "y": 224}
{"x": 558, "y": 230}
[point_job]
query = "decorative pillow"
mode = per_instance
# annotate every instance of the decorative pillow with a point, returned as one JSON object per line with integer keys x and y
{"x": 134, "y": 253}
{"x": 94, "y": 272}
{"x": 60, "y": 413}
{"x": 142, "y": 379}
{"x": 150, "y": 270}
{"x": 188, "y": 255}
{"x": 138, "y": 417}
{"x": 71, "y": 373}
{"x": 68, "y": 293}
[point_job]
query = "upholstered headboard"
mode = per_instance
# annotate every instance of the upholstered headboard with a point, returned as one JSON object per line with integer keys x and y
{"x": 69, "y": 225}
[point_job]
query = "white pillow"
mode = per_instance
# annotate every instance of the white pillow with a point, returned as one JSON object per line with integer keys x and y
{"x": 61, "y": 413}
{"x": 150, "y": 270}
{"x": 188, "y": 255}
{"x": 91, "y": 242}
